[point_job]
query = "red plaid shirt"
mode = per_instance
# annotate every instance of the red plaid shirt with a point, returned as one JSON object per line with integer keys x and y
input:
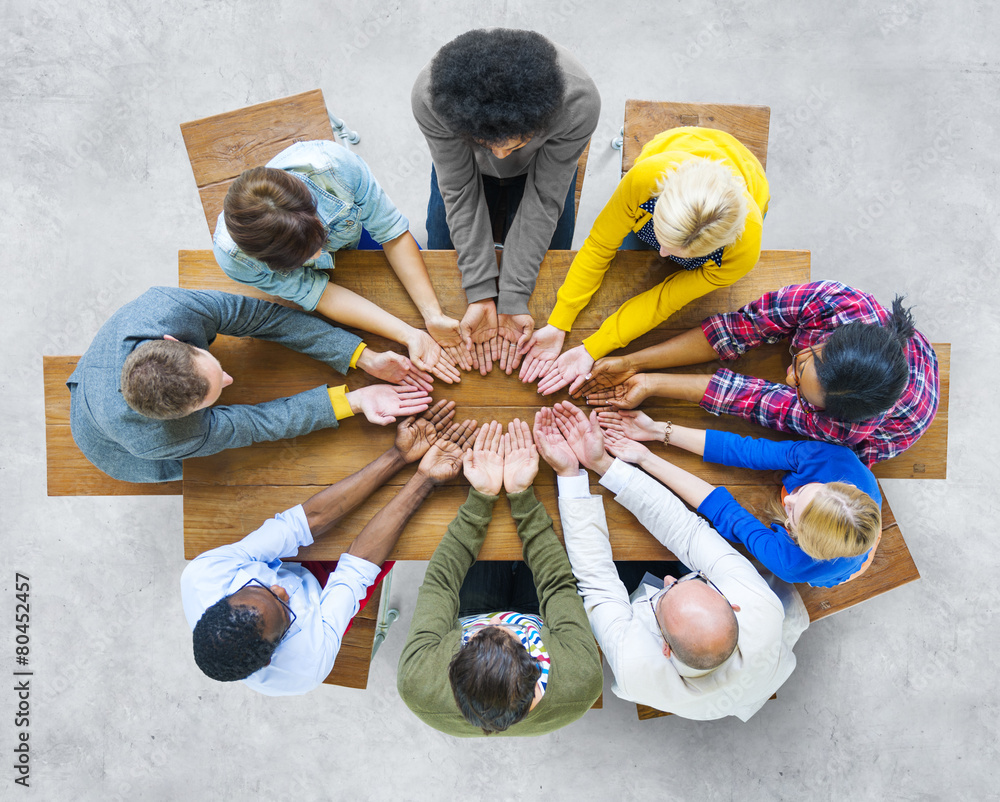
{"x": 808, "y": 313}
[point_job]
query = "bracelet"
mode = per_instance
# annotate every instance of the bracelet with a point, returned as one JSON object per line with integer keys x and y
{"x": 666, "y": 433}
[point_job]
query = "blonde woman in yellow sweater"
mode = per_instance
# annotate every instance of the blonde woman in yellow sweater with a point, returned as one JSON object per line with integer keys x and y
{"x": 696, "y": 195}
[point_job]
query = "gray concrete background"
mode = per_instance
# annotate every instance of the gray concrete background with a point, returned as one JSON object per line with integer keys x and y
{"x": 883, "y": 161}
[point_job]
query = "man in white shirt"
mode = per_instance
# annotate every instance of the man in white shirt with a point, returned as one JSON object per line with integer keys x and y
{"x": 712, "y": 644}
{"x": 269, "y": 623}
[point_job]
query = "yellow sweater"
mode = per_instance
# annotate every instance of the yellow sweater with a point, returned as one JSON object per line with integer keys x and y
{"x": 622, "y": 214}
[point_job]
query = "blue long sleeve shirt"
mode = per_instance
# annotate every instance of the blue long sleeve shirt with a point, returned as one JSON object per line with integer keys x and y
{"x": 805, "y": 461}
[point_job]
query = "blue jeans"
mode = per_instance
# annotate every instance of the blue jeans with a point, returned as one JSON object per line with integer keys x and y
{"x": 498, "y": 586}
{"x": 503, "y": 196}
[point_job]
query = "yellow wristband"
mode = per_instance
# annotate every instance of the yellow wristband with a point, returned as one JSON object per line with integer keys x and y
{"x": 338, "y": 400}
{"x": 357, "y": 354}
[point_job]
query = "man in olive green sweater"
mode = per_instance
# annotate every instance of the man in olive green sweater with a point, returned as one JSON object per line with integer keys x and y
{"x": 504, "y": 672}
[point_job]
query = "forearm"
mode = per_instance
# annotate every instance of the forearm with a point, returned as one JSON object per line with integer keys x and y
{"x": 687, "y": 486}
{"x": 378, "y": 538}
{"x": 685, "y": 437}
{"x": 408, "y": 264}
{"x": 690, "y": 348}
{"x": 328, "y": 506}
{"x": 349, "y": 308}
{"x": 681, "y": 386}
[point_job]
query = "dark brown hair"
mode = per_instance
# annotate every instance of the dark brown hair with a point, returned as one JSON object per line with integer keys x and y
{"x": 493, "y": 679}
{"x": 271, "y": 215}
{"x": 160, "y": 380}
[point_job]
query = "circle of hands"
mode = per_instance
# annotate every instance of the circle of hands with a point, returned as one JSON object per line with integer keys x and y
{"x": 563, "y": 435}
{"x": 484, "y": 338}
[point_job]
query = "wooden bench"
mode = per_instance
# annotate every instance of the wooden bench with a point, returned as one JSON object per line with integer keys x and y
{"x": 222, "y": 146}
{"x": 644, "y": 119}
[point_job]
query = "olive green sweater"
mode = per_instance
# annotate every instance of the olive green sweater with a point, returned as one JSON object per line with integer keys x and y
{"x": 575, "y": 677}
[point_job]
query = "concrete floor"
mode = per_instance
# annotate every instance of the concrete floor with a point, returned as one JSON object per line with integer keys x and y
{"x": 883, "y": 161}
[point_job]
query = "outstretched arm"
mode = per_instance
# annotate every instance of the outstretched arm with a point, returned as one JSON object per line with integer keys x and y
{"x": 441, "y": 462}
{"x": 690, "y": 348}
{"x": 414, "y": 436}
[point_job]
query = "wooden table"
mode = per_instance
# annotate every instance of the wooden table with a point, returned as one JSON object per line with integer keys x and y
{"x": 231, "y": 493}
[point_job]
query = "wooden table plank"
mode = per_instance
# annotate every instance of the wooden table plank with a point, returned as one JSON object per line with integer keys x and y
{"x": 631, "y": 272}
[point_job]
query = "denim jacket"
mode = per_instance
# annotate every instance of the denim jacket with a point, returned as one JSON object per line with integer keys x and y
{"x": 347, "y": 198}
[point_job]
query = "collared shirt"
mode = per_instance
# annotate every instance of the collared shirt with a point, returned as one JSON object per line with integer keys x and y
{"x": 347, "y": 198}
{"x": 771, "y": 616}
{"x": 305, "y": 656}
{"x": 808, "y": 314}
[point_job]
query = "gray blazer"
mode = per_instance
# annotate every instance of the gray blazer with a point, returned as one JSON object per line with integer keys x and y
{"x": 134, "y": 448}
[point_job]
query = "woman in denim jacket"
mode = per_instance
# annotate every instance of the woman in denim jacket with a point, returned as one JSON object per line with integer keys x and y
{"x": 281, "y": 225}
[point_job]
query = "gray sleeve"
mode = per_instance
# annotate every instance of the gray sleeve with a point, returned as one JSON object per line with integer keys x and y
{"x": 461, "y": 187}
{"x": 240, "y": 316}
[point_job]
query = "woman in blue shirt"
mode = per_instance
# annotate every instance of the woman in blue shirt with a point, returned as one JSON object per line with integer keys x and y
{"x": 829, "y": 521}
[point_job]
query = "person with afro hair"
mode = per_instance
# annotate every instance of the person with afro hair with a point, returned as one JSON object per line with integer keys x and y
{"x": 506, "y": 115}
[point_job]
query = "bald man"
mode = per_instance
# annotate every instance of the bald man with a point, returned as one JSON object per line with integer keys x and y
{"x": 715, "y": 642}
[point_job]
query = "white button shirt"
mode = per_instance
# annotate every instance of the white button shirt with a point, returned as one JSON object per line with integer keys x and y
{"x": 771, "y": 617}
{"x": 305, "y": 657}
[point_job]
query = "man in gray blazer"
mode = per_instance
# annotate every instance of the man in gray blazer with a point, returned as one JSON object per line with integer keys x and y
{"x": 142, "y": 395}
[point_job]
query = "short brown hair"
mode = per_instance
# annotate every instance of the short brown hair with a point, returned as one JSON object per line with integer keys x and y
{"x": 493, "y": 680}
{"x": 160, "y": 380}
{"x": 271, "y": 215}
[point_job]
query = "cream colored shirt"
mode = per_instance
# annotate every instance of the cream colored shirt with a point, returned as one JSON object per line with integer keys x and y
{"x": 772, "y": 616}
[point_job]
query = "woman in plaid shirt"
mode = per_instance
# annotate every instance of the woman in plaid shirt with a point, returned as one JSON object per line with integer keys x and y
{"x": 860, "y": 374}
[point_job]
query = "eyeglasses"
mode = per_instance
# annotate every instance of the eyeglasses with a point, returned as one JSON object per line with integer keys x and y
{"x": 807, "y": 407}
{"x": 291, "y": 613}
{"x": 654, "y": 600}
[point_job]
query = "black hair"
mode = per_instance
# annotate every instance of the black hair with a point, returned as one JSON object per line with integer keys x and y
{"x": 863, "y": 369}
{"x": 228, "y": 644}
{"x": 493, "y": 679}
{"x": 491, "y": 86}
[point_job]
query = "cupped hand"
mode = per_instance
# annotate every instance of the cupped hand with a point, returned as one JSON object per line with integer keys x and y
{"x": 513, "y": 331}
{"x": 582, "y": 433}
{"x": 394, "y": 368}
{"x": 553, "y": 446}
{"x": 540, "y": 351}
{"x": 625, "y": 448}
{"x": 479, "y": 334}
{"x": 382, "y": 403}
{"x": 520, "y": 457}
{"x": 427, "y": 355}
{"x": 632, "y": 392}
{"x": 607, "y": 372}
{"x": 570, "y": 368}
{"x": 447, "y": 333}
{"x": 415, "y": 435}
{"x": 443, "y": 460}
{"x": 632, "y": 424}
{"x": 483, "y": 463}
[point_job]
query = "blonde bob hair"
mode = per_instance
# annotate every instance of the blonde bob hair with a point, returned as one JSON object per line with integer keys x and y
{"x": 840, "y": 521}
{"x": 700, "y": 207}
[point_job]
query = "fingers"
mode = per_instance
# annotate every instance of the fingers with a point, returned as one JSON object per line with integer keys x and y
{"x": 577, "y": 383}
{"x": 419, "y": 378}
{"x": 441, "y": 413}
{"x": 482, "y": 437}
{"x": 552, "y": 382}
{"x": 463, "y": 433}
{"x": 494, "y": 344}
{"x": 572, "y": 412}
{"x": 494, "y": 437}
{"x": 445, "y": 370}
{"x": 459, "y": 356}
{"x": 505, "y": 446}
{"x": 484, "y": 357}
{"x": 533, "y": 367}
{"x": 506, "y": 356}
